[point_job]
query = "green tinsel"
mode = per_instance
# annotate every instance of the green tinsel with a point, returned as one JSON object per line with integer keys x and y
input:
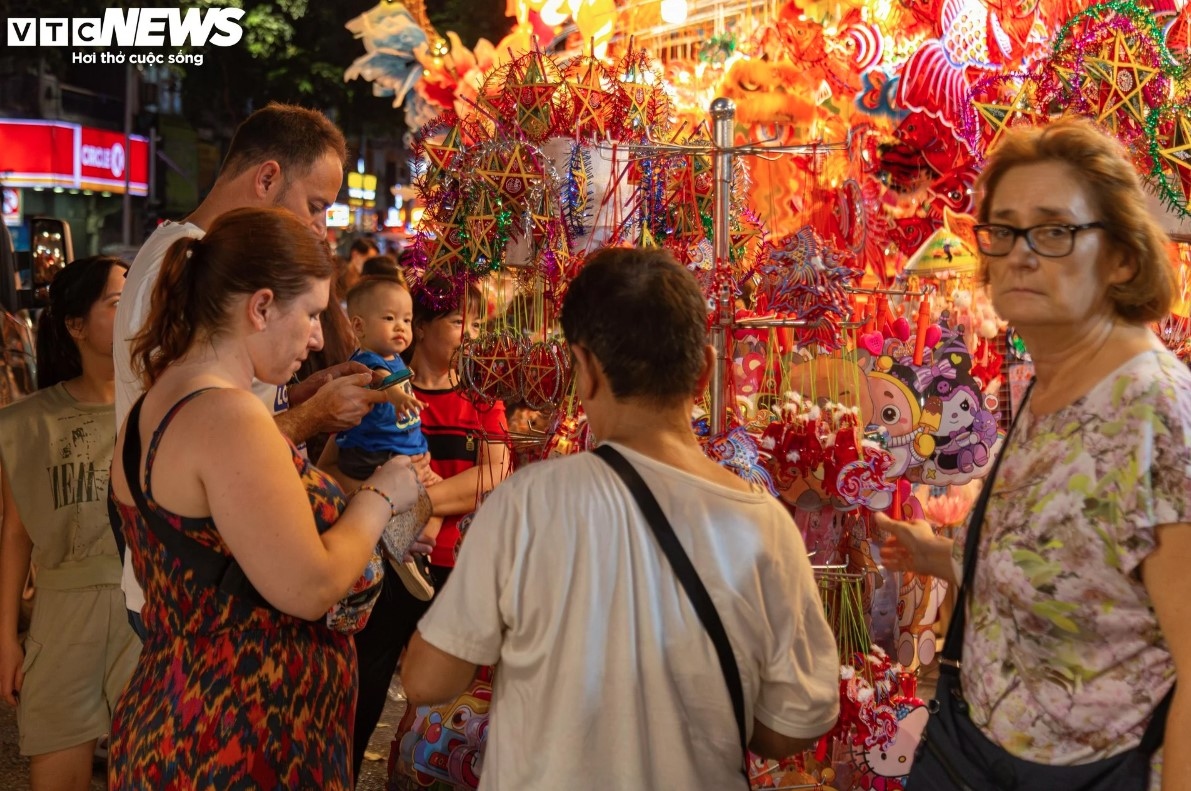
{"x": 1141, "y": 17}
{"x": 1170, "y": 190}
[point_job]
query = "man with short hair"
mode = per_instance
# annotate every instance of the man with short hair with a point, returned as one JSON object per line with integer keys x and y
{"x": 285, "y": 156}
{"x": 606, "y": 678}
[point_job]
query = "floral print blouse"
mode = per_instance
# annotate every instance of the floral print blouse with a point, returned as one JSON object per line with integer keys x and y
{"x": 1063, "y": 659}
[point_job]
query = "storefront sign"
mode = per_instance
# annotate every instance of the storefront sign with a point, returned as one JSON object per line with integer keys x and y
{"x": 361, "y": 190}
{"x": 55, "y": 154}
{"x": 104, "y": 160}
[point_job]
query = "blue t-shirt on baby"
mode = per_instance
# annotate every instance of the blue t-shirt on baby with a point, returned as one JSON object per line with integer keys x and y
{"x": 381, "y": 430}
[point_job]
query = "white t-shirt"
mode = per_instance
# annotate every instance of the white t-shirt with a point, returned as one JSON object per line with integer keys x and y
{"x": 606, "y": 677}
{"x": 133, "y": 310}
{"x": 131, "y": 314}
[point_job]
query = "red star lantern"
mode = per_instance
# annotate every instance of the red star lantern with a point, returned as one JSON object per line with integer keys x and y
{"x": 586, "y": 80}
{"x": 512, "y": 173}
{"x": 546, "y": 374}
{"x": 533, "y": 94}
{"x": 487, "y": 232}
{"x": 999, "y": 116}
{"x": 1173, "y": 146}
{"x": 1121, "y": 77}
{"x": 490, "y": 367}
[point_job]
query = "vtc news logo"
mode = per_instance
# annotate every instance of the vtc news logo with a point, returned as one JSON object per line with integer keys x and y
{"x": 136, "y": 27}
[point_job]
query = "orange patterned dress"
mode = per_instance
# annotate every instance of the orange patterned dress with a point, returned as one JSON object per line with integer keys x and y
{"x": 227, "y": 695}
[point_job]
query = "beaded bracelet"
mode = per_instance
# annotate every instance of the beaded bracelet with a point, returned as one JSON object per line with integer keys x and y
{"x": 370, "y": 488}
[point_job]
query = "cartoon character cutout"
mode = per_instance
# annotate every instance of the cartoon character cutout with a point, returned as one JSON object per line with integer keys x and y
{"x": 887, "y": 761}
{"x": 900, "y": 412}
{"x": 966, "y": 436}
{"x": 447, "y": 744}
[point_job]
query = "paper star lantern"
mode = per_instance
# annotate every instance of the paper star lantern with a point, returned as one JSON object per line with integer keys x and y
{"x": 1122, "y": 76}
{"x": 998, "y": 117}
{"x": 1072, "y": 80}
{"x": 586, "y": 80}
{"x": 533, "y": 94}
{"x": 511, "y": 172}
{"x": 443, "y": 156}
{"x": 487, "y": 226}
{"x": 1170, "y": 153}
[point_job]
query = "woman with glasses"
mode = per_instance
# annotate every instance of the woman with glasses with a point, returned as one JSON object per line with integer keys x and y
{"x": 1077, "y": 617}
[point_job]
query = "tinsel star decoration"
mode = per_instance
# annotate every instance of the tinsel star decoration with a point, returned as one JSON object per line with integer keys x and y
{"x": 1073, "y": 81}
{"x": 1170, "y": 152}
{"x": 534, "y": 93}
{"x": 642, "y": 100}
{"x": 1123, "y": 76}
{"x": 444, "y": 253}
{"x": 511, "y": 172}
{"x": 487, "y": 228}
{"x": 442, "y": 156}
{"x": 586, "y": 81}
{"x": 1178, "y": 152}
{"x": 998, "y": 117}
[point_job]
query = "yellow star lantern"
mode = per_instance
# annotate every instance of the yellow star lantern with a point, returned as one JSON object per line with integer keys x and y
{"x": 486, "y": 240}
{"x": 445, "y": 253}
{"x": 1175, "y": 151}
{"x": 593, "y": 102}
{"x": 508, "y": 172}
{"x": 634, "y": 78}
{"x": 534, "y": 92}
{"x": 441, "y": 157}
{"x": 1122, "y": 79}
{"x": 999, "y": 117}
{"x": 1073, "y": 81}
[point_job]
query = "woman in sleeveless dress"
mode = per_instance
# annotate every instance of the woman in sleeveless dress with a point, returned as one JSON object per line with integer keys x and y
{"x": 238, "y": 685}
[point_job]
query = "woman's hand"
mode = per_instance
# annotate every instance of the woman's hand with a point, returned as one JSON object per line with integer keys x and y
{"x": 397, "y": 479}
{"x": 914, "y": 547}
{"x": 12, "y": 658}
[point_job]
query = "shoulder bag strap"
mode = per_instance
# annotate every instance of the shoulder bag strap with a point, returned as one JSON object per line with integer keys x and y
{"x": 953, "y": 644}
{"x": 211, "y": 568}
{"x": 689, "y": 578}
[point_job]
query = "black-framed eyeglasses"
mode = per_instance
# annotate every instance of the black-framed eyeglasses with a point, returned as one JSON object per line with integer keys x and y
{"x": 1052, "y": 240}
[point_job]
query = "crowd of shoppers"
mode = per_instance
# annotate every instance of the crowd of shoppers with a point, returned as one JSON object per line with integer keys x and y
{"x": 263, "y": 628}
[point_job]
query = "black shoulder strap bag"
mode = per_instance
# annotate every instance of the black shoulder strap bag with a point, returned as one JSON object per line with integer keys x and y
{"x": 955, "y": 754}
{"x": 689, "y": 578}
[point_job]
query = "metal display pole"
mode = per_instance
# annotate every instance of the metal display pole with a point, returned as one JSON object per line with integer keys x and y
{"x": 723, "y": 122}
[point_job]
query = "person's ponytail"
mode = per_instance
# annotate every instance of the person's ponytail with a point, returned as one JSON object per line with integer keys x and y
{"x": 57, "y": 355}
{"x": 170, "y": 328}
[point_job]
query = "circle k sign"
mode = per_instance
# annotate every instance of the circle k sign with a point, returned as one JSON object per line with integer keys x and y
{"x": 107, "y": 159}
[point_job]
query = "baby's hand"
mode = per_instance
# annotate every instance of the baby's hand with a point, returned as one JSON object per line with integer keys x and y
{"x": 424, "y": 544}
{"x": 429, "y": 477}
{"x": 407, "y": 405}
